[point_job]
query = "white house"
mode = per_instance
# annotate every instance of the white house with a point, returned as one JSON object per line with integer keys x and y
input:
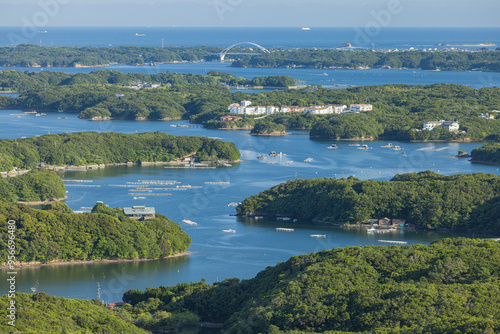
{"x": 451, "y": 126}
{"x": 245, "y": 103}
{"x": 486, "y": 116}
{"x": 431, "y": 125}
{"x": 361, "y": 107}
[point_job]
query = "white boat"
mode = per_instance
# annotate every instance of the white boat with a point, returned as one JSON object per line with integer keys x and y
{"x": 318, "y": 235}
{"x": 308, "y": 160}
{"x": 289, "y": 162}
{"x": 284, "y": 229}
{"x": 371, "y": 230}
{"x": 388, "y": 145}
{"x": 189, "y": 222}
{"x": 355, "y": 144}
{"x": 140, "y": 197}
{"x": 396, "y": 148}
{"x": 332, "y": 147}
{"x": 140, "y": 35}
{"x": 364, "y": 147}
{"x": 306, "y": 28}
{"x": 229, "y": 231}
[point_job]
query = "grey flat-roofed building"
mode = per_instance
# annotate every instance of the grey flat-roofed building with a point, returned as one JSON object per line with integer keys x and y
{"x": 139, "y": 212}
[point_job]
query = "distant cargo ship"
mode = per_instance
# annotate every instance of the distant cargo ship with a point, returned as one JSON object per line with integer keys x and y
{"x": 305, "y": 28}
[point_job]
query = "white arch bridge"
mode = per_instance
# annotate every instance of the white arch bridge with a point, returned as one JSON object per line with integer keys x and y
{"x": 225, "y": 52}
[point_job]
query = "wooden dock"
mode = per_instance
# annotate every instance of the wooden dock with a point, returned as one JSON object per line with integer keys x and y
{"x": 393, "y": 242}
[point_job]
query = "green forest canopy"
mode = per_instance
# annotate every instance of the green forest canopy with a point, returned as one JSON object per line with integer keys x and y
{"x": 450, "y": 286}
{"x": 43, "y": 314}
{"x": 414, "y": 59}
{"x": 398, "y": 110}
{"x": 22, "y": 81}
{"x": 105, "y": 233}
{"x": 37, "y": 185}
{"x": 467, "y": 202}
{"x": 88, "y": 148}
{"x": 487, "y": 153}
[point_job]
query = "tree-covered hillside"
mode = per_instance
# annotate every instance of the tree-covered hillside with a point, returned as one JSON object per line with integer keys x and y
{"x": 23, "y": 81}
{"x": 42, "y": 314}
{"x": 55, "y": 234}
{"x": 29, "y": 55}
{"x": 467, "y": 202}
{"x": 328, "y": 58}
{"x": 489, "y": 153}
{"x": 450, "y": 286}
{"x": 35, "y": 186}
{"x": 88, "y": 148}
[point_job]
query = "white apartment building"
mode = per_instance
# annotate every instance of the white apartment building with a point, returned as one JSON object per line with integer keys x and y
{"x": 319, "y": 110}
{"x": 361, "y": 107}
{"x": 338, "y": 108}
{"x": 450, "y": 125}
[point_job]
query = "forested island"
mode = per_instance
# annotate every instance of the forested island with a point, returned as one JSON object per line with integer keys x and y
{"x": 425, "y": 200}
{"x": 50, "y": 56}
{"x": 399, "y": 111}
{"x": 450, "y": 286}
{"x": 489, "y": 153}
{"x": 29, "y": 55}
{"x": 38, "y": 185}
{"x": 361, "y": 59}
{"x": 23, "y": 81}
{"x": 92, "y": 148}
{"x": 58, "y": 234}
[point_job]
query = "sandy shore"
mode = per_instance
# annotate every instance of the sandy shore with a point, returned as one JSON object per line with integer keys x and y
{"x": 63, "y": 262}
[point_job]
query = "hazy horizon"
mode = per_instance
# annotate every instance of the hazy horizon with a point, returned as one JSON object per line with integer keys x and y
{"x": 255, "y": 13}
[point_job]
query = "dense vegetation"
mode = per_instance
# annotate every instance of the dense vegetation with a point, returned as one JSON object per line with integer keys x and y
{"x": 42, "y": 314}
{"x": 89, "y": 148}
{"x": 35, "y": 186}
{"x": 105, "y": 233}
{"x": 489, "y": 153}
{"x": 23, "y": 81}
{"x": 450, "y": 286}
{"x": 426, "y": 60}
{"x": 46, "y": 56}
{"x": 399, "y": 110}
{"x": 268, "y": 128}
{"x": 425, "y": 200}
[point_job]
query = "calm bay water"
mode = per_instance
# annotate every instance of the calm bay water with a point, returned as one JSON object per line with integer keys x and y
{"x": 327, "y": 78}
{"x": 388, "y": 38}
{"x": 217, "y": 255}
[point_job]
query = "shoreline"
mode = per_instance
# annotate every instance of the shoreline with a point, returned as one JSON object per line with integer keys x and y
{"x": 485, "y": 162}
{"x": 84, "y": 168}
{"x": 67, "y": 262}
{"x": 49, "y": 201}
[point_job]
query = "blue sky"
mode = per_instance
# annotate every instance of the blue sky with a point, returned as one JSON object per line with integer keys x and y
{"x": 252, "y": 13}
